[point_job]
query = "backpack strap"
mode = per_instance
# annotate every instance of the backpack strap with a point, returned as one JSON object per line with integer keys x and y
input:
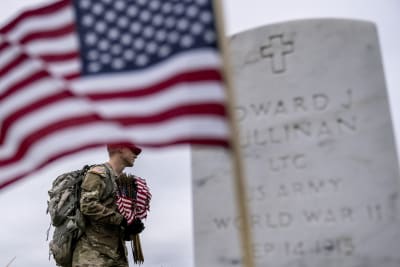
{"x": 111, "y": 184}
{"x": 78, "y": 189}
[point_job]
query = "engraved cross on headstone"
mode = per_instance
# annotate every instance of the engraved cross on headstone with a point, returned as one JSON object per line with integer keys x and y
{"x": 276, "y": 49}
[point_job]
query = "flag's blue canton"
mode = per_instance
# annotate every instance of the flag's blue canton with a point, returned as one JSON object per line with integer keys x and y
{"x": 119, "y": 35}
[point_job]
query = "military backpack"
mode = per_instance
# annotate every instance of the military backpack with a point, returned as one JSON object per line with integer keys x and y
{"x": 63, "y": 207}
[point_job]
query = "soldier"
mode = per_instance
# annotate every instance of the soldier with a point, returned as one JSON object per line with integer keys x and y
{"x": 103, "y": 244}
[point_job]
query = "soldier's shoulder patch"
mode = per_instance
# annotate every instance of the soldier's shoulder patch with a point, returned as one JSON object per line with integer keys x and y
{"x": 100, "y": 170}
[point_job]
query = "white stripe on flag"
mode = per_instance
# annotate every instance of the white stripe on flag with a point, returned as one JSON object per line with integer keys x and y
{"x": 42, "y": 23}
{"x": 9, "y": 54}
{"x": 18, "y": 74}
{"x": 179, "y": 128}
{"x": 184, "y": 62}
{"x": 53, "y": 46}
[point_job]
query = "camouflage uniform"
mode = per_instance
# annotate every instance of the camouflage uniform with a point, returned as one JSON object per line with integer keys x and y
{"x": 102, "y": 244}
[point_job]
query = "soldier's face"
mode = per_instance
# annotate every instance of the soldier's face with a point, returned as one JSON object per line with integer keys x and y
{"x": 128, "y": 157}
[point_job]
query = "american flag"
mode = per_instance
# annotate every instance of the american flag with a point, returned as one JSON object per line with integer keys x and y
{"x": 143, "y": 197}
{"x": 136, "y": 208}
{"x": 77, "y": 74}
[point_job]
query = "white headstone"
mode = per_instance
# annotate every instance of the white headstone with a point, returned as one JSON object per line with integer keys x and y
{"x": 319, "y": 152}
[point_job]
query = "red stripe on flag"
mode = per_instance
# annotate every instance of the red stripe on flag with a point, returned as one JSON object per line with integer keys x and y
{"x": 72, "y": 76}
{"x": 188, "y": 110}
{"x": 45, "y": 10}
{"x": 4, "y": 45}
{"x": 62, "y": 56}
{"x": 28, "y": 141}
{"x": 183, "y": 110}
{"x": 18, "y": 114}
{"x": 20, "y": 85}
{"x": 12, "y": 64}
{"x": 222, "y": 142}
{"x": 70, "y": 28}
{"x": 141, "y": 200}
{"x": 50, "y": 159}
{"x": 192, "y": 76}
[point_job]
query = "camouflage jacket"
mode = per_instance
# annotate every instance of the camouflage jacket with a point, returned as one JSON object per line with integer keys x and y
{"x": 103, "y": 235}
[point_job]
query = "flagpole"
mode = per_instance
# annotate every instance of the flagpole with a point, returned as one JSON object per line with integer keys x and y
{"x": 239, "y": 182}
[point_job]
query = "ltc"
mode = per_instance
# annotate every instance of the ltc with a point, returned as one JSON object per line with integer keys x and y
{"x": 297, "y": 161}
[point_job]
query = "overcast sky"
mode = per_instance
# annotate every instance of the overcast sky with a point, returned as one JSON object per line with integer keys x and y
{"x": 167, "y": 240}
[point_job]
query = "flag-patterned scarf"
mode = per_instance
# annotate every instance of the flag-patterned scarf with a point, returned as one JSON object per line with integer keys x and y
{"x": 133, "y": 197}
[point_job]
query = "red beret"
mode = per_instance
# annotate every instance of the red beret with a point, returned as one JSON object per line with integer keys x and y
{"x": 135, "y": 149}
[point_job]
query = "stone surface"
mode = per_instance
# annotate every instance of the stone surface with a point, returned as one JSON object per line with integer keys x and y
{"x": 321, "y": 167}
